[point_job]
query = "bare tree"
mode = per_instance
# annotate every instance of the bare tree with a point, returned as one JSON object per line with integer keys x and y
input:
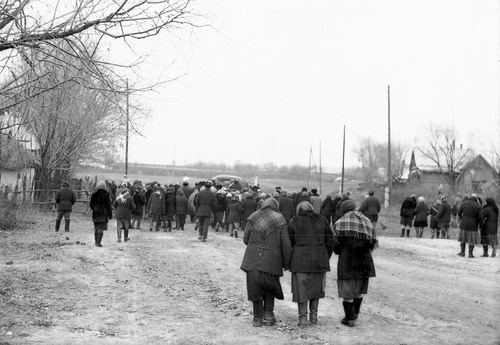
{"x": 398, "y": 163}
{"x": 366, "y": 152}
{"x": 440, "y": 146}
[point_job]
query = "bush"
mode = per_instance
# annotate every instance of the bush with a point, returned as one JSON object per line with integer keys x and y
{"x": 14, "y": 215}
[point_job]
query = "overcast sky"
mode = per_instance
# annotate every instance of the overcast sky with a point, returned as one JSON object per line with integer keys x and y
{"x": 275, "y": 78}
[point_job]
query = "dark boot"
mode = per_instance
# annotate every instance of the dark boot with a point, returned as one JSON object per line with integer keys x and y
{"x": 96, "y": 238}
{"x": 58, "y": 224}
{"x": 348, "y": 320}
{"x": 99, "y": 239}
{"x": 408, "y": 233}
{"x": 462, "y": 249}
{"x": 119, "y": 235}
{"x": 437, "y": 233}
{"x": 485, "y": 251}
{"x": 258, "y": 314}
{"x": 471, "y": 249}
{"x": 125, "y": 235}
{"x": 433, "y": 233}
{"x": 313, "y": 310}
{"x": 269, "y": 318}
{"x": 402, "y": 232}
{"x": 357, "y": 306}
{"x": 303, "y": 314}
{"x": 66, "y": 225}
{"x": 494, "y": 252}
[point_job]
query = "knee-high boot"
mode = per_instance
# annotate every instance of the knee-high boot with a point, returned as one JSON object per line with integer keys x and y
{"x": 66, "y": 225}
{"x": 302, "y": 313}
{"x": 462, "y": 249}
{"x": 125, "y": 235}
{"x": 437, "y": 233}
{"x": 257, "y": 314}
{"x": 494, "y": 251}
{"x": 99, "y": 238}
{"x": 348, "y": 320}
{"x": 485, "y": 251}
{"x": 58, "y": 224}
{"x": 402, "y": 232}
{"x": 269, "y": 317}
{"x": 407, "y": 232}
{"x": 471, "y": 249}
{"x": 96, "y": 238}
{"x": 313, "y": 310}
{"x": 357, "y": 307}
{"x": 119, "y": 234}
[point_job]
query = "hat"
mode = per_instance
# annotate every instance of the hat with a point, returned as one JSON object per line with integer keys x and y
{"x": 208, "y": 184}
{"x": 229, "y": 195}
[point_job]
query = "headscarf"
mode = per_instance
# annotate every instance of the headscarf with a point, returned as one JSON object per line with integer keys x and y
{"x": 491, "y": 203}
{"x": 267, "y": 218}
{"x": 354, "y": 224}
{"x": 101, "y": 185}
{"x": 123, "y": 196}
{"x": 304, "y": 206}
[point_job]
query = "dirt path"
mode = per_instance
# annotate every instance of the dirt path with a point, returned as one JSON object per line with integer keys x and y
{"x": 169, "y": 288}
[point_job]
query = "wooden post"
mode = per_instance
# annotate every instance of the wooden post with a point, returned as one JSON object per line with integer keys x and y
{"x": 343, "y": 160}
{"x": 389, "y": 166}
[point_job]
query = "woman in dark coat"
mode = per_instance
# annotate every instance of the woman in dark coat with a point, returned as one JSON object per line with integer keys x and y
{"x": 234, "y": 215}
{"x": 421, "y": 212}
{"x": 124, "y": 205}
{"x": 312, "y": 247}
{"x": 181, "y": 208}
{"x": 489, "y": 231}
{"x": 434, "y": 223}
{"x": 471, "y": 219}
{"x": 155, "y": 207}
{"x": 139, "y": 201}
{"x": 354, "y": 238}
{"x": 326, "y": 209}
{"x": 248, "y": 206}
{"x": 406, "y": 213}
{"x": 100, "y": 204}
{"x": 169, "y": 210}
{"x": 268, "y": 252}
{"x": 287, "y": 206}
{"x": 444, "y": 218}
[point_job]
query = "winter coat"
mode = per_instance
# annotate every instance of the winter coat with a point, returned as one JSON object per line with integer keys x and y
{"x": 408, "y": 207}
{"x": 123, "y": 209}
{"x": 326, "y": 208}
{"x": 434, "y": 212}
{"x": 248, "y": 206}
{"x": 421, "y": 212}
{"x": 100, "y": 204}
{"x": 286, "y": 207}
{"x": 471, "y": 215}
{"x": 221, "y": 203}
{"x": 269, "y": 253}
{"x": 234, "y": 211}
{"x": 169, "y": 209}
{"x": 181, "y": 205}
{"x": 205, "y": 202}
{"x": 65, "y": 198}
{"x": 490, "y": 225}
{"x": 312, "y": 243}
{"x": 370, "y": 206}
{"x": 316, "y": 202}
{"x": 139, "y": 201}
{"x": 444, "y": 214}
{"x": 355, "y": 258}
{"x": 155, "y": 204}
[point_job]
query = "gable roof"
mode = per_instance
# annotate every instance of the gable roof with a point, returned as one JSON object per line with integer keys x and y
{"x": 478, "y": 160}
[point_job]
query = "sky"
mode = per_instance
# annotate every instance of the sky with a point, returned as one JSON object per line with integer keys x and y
{"x": 272, "y": 80}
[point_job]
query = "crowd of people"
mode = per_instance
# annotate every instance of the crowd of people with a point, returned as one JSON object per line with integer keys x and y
{"x": 282, "y": 230}
{"x": 477, "y": 220}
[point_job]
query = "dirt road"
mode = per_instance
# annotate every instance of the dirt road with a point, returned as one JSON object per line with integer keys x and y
{"x": 169, "y": 288}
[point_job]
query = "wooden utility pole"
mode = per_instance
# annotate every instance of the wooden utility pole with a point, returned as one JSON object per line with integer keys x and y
{"x": 389, "y": 166}
{"x": 127, "y": 129}
{"x": 320, "y": 172}
{"x": 343, "y": 160}
{"x": 309, "y": 171}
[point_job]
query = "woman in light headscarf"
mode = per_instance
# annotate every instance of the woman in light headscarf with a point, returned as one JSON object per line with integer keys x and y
{"x": 354, "y": 238}
{"x": 100, "y": 203}
{"x": 312, "y": 247}
{"x": 421, "y": 212}
{"x": 268, "y": 252}
{"x": 489, "y": 229}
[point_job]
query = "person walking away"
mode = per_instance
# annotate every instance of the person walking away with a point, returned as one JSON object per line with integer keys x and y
{"x": 354, "y": 241}
{"x": 65, "y": 199}
{"x": 444, "y": 217}
{"x": 124, "y": 205}
{"x": 139, "y": 201}
{"x": 421, "y": 212}
{"x": 268, "y": 252}
{"x": 312, "y": 246}
{"x": 205, "y": 201}
{"x": 326, "y": 209}
{"x": 286, "y": 205}
{"x": 489, "y": 231}
{"x": 181, "y": 208}
{"x": 100, "y": 204}
{"x": 407, "y": 213}
{"x": 234, "y": 215}
{"x": 434, "y": 223}
{"x": 169, "y": 210}
{"x": 471, "y": 218}
{"x": 155, "y": 207}
{"x": 316, "y": 201}
{"x": 371, "y": 207}
{"x": 248, "y": 206}
{"x": 219, "y": 210}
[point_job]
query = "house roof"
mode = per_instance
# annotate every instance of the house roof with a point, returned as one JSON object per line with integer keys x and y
{"x": 472, "y": 163}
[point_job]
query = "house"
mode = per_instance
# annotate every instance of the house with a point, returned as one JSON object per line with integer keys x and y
{"x": 423, "y": 171}
{"x": 478, "y": 176}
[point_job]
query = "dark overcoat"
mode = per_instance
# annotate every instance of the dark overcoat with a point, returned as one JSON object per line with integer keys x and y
{"x": 100, "y": 204}
{"x": 65, "y": 198}
{"x": 205, "y": 202}
{"x": 471, "y": 215}
{"x": 248, "y": 206}
{"x": 286, "y": 207}
{"x": 490, "y": 226}
{"x": 123, "y": 210}
{"x": 370, "y": 206}
{"x": 355, "y": 258}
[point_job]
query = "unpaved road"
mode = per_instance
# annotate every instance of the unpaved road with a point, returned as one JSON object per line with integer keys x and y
{"x": 169, "y": 288}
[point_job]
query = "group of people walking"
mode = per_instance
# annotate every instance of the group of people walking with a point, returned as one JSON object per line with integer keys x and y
{"x": 477, "y": 221}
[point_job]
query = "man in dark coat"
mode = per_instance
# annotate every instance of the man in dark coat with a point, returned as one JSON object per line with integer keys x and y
{"x": 371, "y": 208}
{"x": 326, "y": 209}
{"x": 286, "y": 205}
{"x": 65, "y": 198}
{"x": 407, "y": 213}
{"x": 443, "y": 218}
{"x": 181, "y": 209}
{"x": 471, "y": 219}
{"x": 205, "y": 201}
{"x": 248, "y": 206}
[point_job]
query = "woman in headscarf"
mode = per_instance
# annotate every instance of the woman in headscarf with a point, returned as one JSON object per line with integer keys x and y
{"x": 470, "y": 213}
{"x": 489, "y": 230}
{"x": 100, "y": 204}
{"x": 268, "y": 252}
{"x": 354, "y": 238}
{"x": 124, "y": 205}
{"x": 421, "y": 212}
{"x": 434, "y": 223}
{"x": 312, "y": 247}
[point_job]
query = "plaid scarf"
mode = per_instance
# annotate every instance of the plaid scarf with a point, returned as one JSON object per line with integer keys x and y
{"x": 355, "y": 224}
{"x": 267, "y": 218}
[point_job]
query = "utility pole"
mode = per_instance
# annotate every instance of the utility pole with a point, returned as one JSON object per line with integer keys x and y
{"x": 389, "y": 166}
{"x": 343, "y": 159}
{"x": 127, "y": 129}
{"x": 309, "y": 170}
{"x": 320, "y": 172}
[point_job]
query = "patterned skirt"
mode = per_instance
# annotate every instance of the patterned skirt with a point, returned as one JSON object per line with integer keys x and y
{"x": 470, "y": 237}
